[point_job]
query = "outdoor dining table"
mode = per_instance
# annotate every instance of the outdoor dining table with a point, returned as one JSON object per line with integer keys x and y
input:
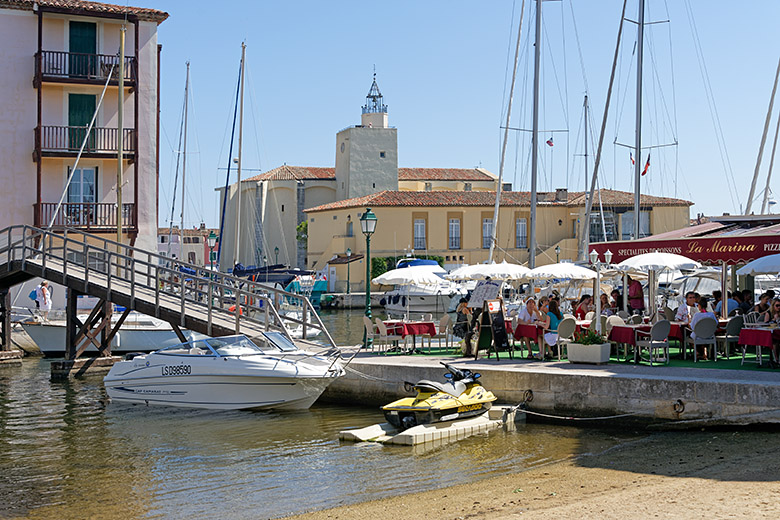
{"x": 761, "y": 336}
{"x": 411, "y": 328}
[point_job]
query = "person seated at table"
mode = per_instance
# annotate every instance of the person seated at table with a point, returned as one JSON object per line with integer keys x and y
{"x": 636, "y": 296}
{"x": 462, "y": 315}
{"x": 703, "y": 313}
{"x": 731, "y": 304}
{"x": 763, "y": 304}
{"x": 544, "y": 306}
{"x": 686, "y": 310}
{"x": 747, "y": 301}
{"x": 551, "y": 322}
{"x": 583, "y": 307}
{"x": 772, "y": 315}
{"x": 606, "y": 307}
{"x": 529, "y": 315}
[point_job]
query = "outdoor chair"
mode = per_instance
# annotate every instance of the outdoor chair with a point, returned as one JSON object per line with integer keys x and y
{"x": 386, "y": 339}
{"x": 444, "y": 331}
{"x": 590, "y": 315}
{"x": 371, "y": 336}
{"x": 669, "y": 313}
{"x": 611, "y": 322}
{"x": 635, "y": 319}
{"x": 604, "y": 323}
{"x": 733, "y": 328}
{"x": 704, "y": 330}
{"x": 623, "y": 314}
{"x": 566, "y": 329}
{"x": 427, "y": 317}
{"x": 751, "y": 319}
{"x": 657, "y": 339}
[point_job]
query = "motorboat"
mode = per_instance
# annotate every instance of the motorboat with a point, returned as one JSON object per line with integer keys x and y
{"x": 226, "y": 373}
{"x": 416, "y": 298}
{"x": 138, "y": 333}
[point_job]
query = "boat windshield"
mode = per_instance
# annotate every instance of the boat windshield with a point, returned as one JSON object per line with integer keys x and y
{"x": 279, "y": 341}
{"x": 193, "y": 348}
{"x": 234, "y": 346}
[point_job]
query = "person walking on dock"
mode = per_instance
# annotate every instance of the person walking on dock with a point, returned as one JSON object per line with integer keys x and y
{"x": 44, "y": 299}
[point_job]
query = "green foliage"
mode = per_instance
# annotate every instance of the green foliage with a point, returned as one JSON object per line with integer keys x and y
{"x": 302, "y": 232}
{"x": 589, "y": 337}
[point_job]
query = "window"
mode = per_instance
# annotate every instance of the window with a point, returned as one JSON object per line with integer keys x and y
{"x": 428, "y": 186}
{"x": 81, "y": 197}
{"x": 466, "y": 186}
{"x": 627, "y": 224}
{"x": 191, "y": 257}
{"x": 97, "y": 260}
{"x": 419, "y": 233}
{"x": 192, "y": 240}
{"x": 282, "y": 208}
{"x": 163, "y": 239}
{"x": 597, "y": 227}
{"x": 454, "y": 233}
{"x": 382, "y": 155}
{"x": 349, "y": 229}
{"x": 521, "y": 233}
{"x": 487, "y": 232}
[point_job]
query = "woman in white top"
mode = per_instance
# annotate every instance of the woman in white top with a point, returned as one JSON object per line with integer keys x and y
{"x": 43, "y": 297}
{"x": 529, "y": 315}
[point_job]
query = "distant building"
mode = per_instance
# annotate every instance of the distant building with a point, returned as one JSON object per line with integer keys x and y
{"x": 189, "y": 246}
{"x": 57, "y": 56}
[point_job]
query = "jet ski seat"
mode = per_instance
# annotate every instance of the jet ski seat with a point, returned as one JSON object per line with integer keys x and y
{"x": 454, "y": 389}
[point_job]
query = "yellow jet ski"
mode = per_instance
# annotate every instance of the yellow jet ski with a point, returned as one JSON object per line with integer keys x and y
{"x": 460, "y": 396}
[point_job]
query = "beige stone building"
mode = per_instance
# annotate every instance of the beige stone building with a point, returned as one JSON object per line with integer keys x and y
{"x": 458, "y": 225}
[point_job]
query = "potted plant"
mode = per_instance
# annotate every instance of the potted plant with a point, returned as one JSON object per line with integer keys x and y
{"x": 588, "y": 346}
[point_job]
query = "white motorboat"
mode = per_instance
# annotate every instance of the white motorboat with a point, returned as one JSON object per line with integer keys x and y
{"x": 228, "y": 373}
{"x": 138, "y": 333}
{"x": 435, "y": 295}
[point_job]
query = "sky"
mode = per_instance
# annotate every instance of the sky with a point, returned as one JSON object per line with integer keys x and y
{"x": 444, "y": 68}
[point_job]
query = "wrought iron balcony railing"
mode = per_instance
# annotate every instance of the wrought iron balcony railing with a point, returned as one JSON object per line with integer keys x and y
{"x": 89, "y": 216}
{"x": 67, "y": 140}
{"x": 62, "y": 66}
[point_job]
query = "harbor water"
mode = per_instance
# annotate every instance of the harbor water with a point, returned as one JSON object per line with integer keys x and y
{"x": 67, "y": 453}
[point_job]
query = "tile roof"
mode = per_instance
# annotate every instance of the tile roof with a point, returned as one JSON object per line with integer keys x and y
{"x": 296, "y": 173}
{"x": 610, "y": 198}
{"x": 188, "y": 232}
{"x": 444, "y": 174}
{"x": 150, "y": 15}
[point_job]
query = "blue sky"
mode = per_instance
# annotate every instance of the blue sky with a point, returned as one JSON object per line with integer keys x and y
{"x": 444, "y": 68}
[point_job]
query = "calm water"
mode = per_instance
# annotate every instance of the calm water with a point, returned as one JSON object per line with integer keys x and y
{"x": 66, "y": 452}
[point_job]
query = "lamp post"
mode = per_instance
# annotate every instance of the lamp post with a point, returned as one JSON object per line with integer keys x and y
{"x": 211, "y": 240}
{"x": 368, "y": 222}
{"x": 349, "y": 254}
{"x": 557, "y": 254}
{"x": 265, "y": 266}
{"x": 276, "y": 252}
{"x": 594, "y": 259}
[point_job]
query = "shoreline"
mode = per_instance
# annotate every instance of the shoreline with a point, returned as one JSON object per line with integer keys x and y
{"x": 713, "y": 474}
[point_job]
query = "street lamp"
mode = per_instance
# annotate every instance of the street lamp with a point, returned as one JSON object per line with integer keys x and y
{"x": 211, "y": 240}
{"x": 349, "y": 254}
{"x": 594, "y": 259}
{"x": 368, "y": 222}
{"x": 276, "y": 252}
{"x": 557, "y": 254}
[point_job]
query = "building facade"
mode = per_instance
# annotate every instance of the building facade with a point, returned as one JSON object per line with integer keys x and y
{"x": 57, "y": 55}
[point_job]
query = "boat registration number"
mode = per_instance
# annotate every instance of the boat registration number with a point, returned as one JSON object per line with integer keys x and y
{"x": 177, "y": 370}
{"x": 470, "y": 407}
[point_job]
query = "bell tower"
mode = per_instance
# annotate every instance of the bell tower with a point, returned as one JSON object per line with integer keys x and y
{"x": 367, "y": 154}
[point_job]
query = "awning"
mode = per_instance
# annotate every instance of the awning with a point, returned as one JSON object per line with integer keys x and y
{"x": 707, "y": 250}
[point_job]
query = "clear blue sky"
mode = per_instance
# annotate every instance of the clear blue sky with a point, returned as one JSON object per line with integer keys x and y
{"x": 444, "y": 68}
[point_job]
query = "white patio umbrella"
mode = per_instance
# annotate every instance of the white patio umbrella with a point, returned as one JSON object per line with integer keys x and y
{"x": 494, "y": 271}
{"x": 466, "y": 272}
{"x": 412, "y": 275}
{"x": 563, "y": 271}
{"x": 657, "y": 262}
{"x": 764, "y": 265}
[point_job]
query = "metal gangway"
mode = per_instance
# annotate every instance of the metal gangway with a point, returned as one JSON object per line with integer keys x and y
{"x": 184, "y": 295}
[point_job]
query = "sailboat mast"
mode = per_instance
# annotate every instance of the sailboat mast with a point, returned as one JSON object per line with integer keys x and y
{"x": 506, "y": 136}
{"x": 535, "y": 136}
{"x": 771, "y": 166}
{"x": 184, "y": 160}
{"x": 752, "y": 193}
{"x": 638, "y": 150}
{"x": 586, "y": 142}
{"x": 240, "y": 136}
{"x": 120, "y": 132}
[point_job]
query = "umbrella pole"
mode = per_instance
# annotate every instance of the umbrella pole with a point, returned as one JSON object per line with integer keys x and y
{"x": 625, "y": 291}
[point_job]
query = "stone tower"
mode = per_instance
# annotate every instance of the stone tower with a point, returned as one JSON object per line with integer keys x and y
{"x": 367, "y": 155}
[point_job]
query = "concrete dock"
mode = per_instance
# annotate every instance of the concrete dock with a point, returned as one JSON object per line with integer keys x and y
{"x": 694, "y": 396}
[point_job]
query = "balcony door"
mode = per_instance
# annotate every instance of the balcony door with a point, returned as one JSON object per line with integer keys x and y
{"x": 81, "y": 197}
{"x": 82, "y": 41}
{"x": 81, "y": 108}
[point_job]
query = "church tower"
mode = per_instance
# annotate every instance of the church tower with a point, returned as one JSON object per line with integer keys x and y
{"x": 367, "y": 155}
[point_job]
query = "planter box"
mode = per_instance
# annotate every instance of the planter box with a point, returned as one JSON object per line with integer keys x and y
{"x": 594, "y": 354}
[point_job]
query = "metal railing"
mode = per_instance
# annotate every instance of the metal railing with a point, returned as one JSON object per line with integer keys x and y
{"x": 90, "y": 216}
{"x": 69, "y": 139}
{"x": 65, "y": 65}
{"x": 157, "y": 280}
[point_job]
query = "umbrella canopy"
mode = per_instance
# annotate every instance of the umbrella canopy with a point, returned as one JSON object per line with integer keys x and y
{"x": 413, "y": 275}
{"x": 764, "y": 265}
{"x": 502, "y": 271}
{"x": 657, "y": 262}
{"x": 561, "y": 271}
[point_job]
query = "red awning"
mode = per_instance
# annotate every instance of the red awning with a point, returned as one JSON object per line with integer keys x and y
{"x": 707, "y": 250}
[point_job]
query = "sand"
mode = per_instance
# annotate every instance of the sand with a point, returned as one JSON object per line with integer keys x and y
{"x": 707, "y": 475}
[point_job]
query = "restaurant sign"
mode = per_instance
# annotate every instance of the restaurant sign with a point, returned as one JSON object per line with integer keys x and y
{"x": 707, "y": 250}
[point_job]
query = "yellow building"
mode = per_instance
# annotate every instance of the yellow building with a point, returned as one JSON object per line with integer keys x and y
{"x": 457, "y": 225}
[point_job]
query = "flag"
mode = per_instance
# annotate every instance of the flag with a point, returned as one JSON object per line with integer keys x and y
{"x": 550, "y": 142}
{"x": 647, "y": 165}
{"x": 631, "y": 155}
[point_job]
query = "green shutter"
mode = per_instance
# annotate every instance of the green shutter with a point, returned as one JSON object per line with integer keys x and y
{"x": 82, "y": 38}
{"x": 81, "y": 107}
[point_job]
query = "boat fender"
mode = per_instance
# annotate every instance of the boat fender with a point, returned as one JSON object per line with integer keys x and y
{"x": 403, "y": 301}
{"x": 396, "y": 297}
{"x": 383, "y": 302}
{"x": 232, "y": 308}
{"x": 408, "y": 386}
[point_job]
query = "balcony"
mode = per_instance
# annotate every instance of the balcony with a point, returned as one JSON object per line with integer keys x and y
{"x": 85, "y": 69}
{"x": 96, "y": 217}
{"x": 65, "y": 141}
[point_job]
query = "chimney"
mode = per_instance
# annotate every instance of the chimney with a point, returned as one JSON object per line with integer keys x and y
{"x": 561, "y": 195}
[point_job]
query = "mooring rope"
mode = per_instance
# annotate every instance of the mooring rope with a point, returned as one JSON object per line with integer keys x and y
{"x": 569, "y": 418}
{"x": 370, "y": 377}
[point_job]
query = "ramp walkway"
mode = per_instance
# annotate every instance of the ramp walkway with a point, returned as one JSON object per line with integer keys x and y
{"x": 185, "y": 295}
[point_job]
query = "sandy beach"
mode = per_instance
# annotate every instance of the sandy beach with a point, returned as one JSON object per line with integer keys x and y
{"x": 712, "y": 474}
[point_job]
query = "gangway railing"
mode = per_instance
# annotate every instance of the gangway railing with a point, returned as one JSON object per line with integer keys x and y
{"x": 137, "y": 276}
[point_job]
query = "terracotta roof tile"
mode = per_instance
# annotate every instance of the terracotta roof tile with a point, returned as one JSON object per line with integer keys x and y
{"x": 151, "y": 15}
{"x": 444, "y": 174}
{"x": 487, "y": 199}
{"x": 188, "y": 232}
{"x": 296, "y": 173}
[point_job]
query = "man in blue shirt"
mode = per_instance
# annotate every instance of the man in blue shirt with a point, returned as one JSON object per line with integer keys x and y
{"x": 731, "y": 305}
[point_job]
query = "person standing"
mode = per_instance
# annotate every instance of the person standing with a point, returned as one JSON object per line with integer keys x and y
{"x": 43, "y": 298}
{"x": 636, "y": 296}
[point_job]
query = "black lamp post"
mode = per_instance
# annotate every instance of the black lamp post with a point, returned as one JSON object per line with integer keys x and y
{"x": 557, "y": 254}
{"x": 265, "y": 266}
{"x": 276, "y": 252}
{"x": 349, "y": 254}
{"x": 368, "y": 225}
{"x": 211, "y": 240}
